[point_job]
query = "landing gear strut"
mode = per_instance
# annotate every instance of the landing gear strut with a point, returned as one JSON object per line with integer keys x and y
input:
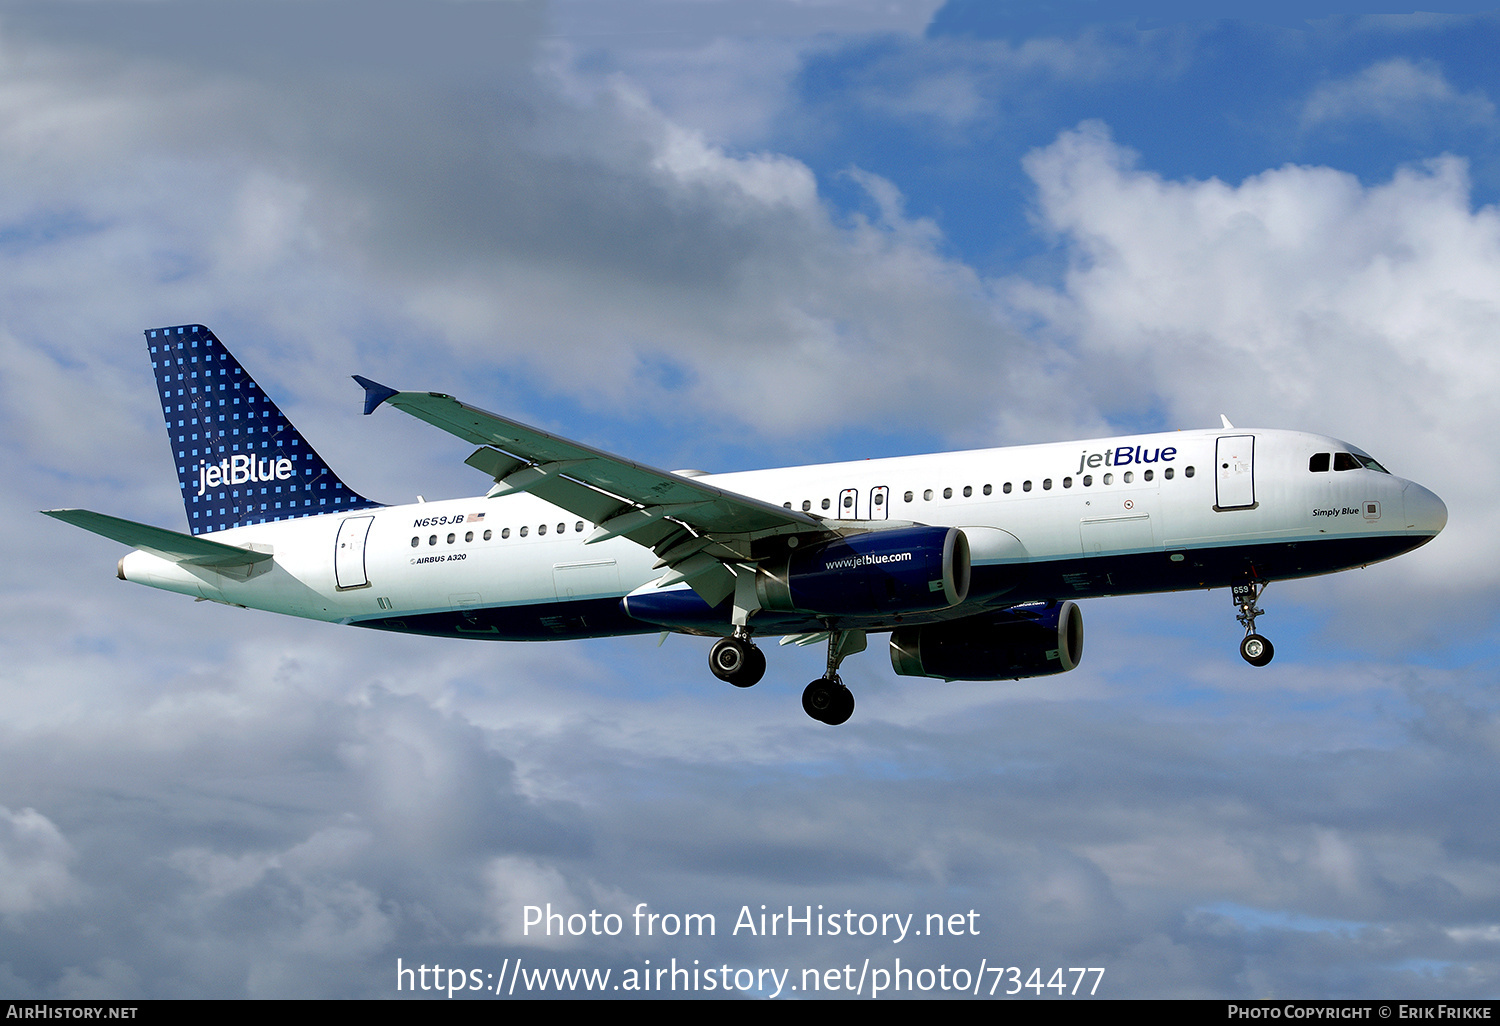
{"x": 737, "y": 661}
{"x": 826, "y": 699}
{"x": 1256, "y": 650}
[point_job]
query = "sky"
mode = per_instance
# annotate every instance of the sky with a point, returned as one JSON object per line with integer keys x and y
{"x": 727, "y": 236}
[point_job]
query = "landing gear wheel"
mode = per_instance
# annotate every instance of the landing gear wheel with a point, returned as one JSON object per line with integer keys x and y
{"x": 737, "y": 662}
{"x": 828, "y": 701}
{"x": 843, "y": 707}
{"x": 1256, "y": 650}
{"x": 755, "y": 669}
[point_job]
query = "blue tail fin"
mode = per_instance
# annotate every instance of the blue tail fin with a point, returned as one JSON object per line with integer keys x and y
{"x": 239, "y": 460}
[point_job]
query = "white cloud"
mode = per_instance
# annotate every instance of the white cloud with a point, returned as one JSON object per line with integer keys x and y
{"x": 1400, "y": 92}
{"x": 34, "y": 858}
{"x": 957, "y": 83}
{"x": 1298, "y": 298}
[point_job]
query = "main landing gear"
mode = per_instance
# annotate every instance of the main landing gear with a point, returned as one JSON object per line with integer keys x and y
{"x": 737, "y": 661}
{"x": 826, "y": 699}
{"x": 1256, "y": 650}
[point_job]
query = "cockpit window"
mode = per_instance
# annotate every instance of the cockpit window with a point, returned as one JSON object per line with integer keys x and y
{"x": 1351, "y": 461}
{"x": 1318, "y": 463}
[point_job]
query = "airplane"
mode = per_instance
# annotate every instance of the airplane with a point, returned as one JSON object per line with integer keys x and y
{"x": 971, "y": 561}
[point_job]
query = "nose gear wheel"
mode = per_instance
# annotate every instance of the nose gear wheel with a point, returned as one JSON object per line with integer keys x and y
{"x": 1255, "y": 649}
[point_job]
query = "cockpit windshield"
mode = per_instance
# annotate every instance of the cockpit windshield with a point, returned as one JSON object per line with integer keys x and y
{"x": 1318, "y": 463}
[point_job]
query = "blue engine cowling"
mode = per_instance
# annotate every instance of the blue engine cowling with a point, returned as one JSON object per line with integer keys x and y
{"x": 1024, "y": 641}
{"x": 903, "y": 569}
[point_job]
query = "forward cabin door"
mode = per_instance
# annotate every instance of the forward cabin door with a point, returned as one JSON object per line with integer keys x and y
{"x": 1234, "y": 472}
{"x": 349, "y": 553}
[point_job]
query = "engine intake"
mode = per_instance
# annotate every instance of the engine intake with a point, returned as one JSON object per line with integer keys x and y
{"x": 1024, "y": 641}
{"x": 906, "y": 569}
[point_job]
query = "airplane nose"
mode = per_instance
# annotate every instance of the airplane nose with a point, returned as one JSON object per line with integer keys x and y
{"x": 1425, "y": 512}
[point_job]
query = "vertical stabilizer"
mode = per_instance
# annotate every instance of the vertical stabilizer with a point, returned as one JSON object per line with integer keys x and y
{"x": 239, "y": 460}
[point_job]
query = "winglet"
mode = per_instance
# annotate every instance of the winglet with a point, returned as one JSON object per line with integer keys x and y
{"x": 375, "y": 393}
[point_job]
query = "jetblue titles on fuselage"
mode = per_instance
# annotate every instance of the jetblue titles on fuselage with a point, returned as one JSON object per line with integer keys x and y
{"x": 1126, "y": 455}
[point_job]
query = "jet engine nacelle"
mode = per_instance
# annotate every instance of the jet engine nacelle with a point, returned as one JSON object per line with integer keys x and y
{"x": 1024, "y": 641}
{"x": 903, "y": 569}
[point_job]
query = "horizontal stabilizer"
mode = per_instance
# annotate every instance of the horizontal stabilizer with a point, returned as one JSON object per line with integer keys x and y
{"x": 158, "y": 541}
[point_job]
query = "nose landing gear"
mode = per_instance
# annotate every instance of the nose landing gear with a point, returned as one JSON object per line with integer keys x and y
{"x": 1255, "y": 650}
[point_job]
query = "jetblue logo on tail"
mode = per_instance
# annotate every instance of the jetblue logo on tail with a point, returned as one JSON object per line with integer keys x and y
{"x": 241, "y": 469}
{"x": 239, "y": 460}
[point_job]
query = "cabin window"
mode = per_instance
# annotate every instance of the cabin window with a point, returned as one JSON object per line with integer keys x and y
{"x": 1129, "y": 476}
{"x": 562, "y": 528}
{"x": 927, "y": 495}
{"x": 1148, "y": 475}
{"x": 451, "y": 537}
{"x": 505, "y": 532}
{"x": 432, "y": 540}
{"x": 947, "y": 493}
{"x": 907, "y": 497}
{"x": 523, "y": 532}
{"x": 541, "y": 530}
{"x": 827, "y": 503}
{"x": 988, "y": 489}
{"x": 848, "y": 501}
{"x": 1187, "y": 472}
{"x": 469, "y": 536}
{"x": 968, "y": 491}
{"x": 1168, "y": 473}
{"x": 488, "y": 535}
{"x": 578, "y": 528}
{"x": 1025, "y": 486}
{"x": 1318, "y": 464}
{"x": 1088, "y": 480}
{"x": 1047, "y": 484}
{"x": 1067, "y": 482}
{"x": 1109, "y": 479}
{"x": 806, "y": 505}
{"x": 415, "y": 542}
{"x": 1006, "y": 489}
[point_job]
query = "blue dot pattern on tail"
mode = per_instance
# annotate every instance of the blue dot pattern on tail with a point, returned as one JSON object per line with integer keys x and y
{"x": 239, "y": 460}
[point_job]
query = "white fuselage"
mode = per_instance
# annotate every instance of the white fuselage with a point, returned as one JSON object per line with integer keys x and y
{"x": 1160, "y": 512}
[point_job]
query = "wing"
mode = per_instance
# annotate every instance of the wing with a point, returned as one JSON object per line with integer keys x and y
{"x": 699, "y": 532}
